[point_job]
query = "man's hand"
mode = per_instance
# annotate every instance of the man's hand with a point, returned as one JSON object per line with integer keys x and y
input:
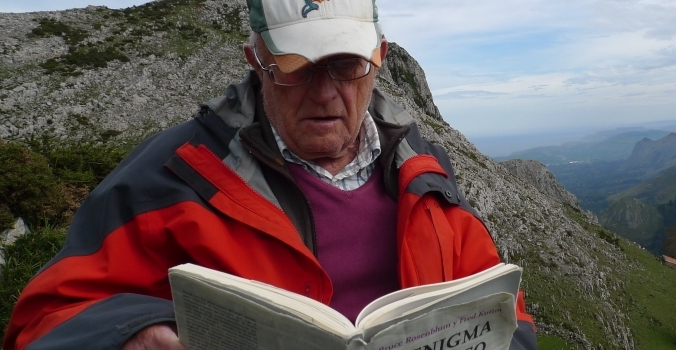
{"x": 158, "y": 336}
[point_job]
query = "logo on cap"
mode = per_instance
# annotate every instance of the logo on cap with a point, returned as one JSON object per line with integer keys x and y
{"x": 310, "y": 6}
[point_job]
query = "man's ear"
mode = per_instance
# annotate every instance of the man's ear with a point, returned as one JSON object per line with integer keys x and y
{"x": 249, "y": 54}
{"x": 383, "y": 49}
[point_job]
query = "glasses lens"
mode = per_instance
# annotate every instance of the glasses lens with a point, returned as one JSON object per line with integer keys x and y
{"x": 343, "y": 70}
{"x": 349, "y": 68}
{"x": 297, "y": 77}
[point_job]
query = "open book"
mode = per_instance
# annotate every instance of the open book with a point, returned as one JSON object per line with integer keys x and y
{"x": 216, "y": 310}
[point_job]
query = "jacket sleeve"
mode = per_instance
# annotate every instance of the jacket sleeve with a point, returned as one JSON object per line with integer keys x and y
{"x": 524, "y": 336}
{"x": 446, "y": 242}
{"x": 106, "y": 324}
{"x": 440, "y": 237}
{"x": 110, "y": 279}
{"x": 477, "y": 251}
{"x": 95, "y": 294}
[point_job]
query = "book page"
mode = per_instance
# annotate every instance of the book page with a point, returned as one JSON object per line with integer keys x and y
{"x": 486, "y": 323}
{"x": 415, "y": 291}
{"x": 209, "y": 318}
{"x": 300, "y": 306}
{"x": 410, "y": 292}
{"x": 506, "y": 281}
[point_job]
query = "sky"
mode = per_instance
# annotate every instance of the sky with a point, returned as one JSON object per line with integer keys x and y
{"x": 509, "y": 68}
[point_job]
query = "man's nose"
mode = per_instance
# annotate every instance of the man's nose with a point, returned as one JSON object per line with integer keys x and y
{"x": 322, "y": 87}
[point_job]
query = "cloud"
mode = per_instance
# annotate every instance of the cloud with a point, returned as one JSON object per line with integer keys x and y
{"x": 634, "y": 94}
{"x": 545, "y": 64}
{"x": 655, "y": 18}
{"x": 469, "y": 94}
{"x": 531, "y": 96}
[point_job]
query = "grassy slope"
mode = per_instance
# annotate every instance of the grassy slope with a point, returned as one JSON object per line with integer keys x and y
{"x": 652, "y": 312}
{"x": 647, "y": 296}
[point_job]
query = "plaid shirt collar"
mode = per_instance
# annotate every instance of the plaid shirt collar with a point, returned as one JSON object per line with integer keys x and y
{"x": 354, "y": 174}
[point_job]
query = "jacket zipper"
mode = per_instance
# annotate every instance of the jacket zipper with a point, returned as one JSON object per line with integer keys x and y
{"x": 275, "y": 166}
{"x": 243, "y": 181}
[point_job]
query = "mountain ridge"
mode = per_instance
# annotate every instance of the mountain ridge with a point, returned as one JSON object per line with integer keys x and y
{"x": 611, "y": 146}
{"x": 656, "y": 155}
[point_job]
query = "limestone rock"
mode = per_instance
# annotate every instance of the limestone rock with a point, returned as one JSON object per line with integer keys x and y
{"x": 9, "y": 236}
{"x": 535, "y": 173}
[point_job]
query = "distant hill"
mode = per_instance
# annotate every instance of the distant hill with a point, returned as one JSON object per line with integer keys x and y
{"x": 654, "y": 156}
{"x": 645, "y": 174}
{"x": 658, "y": 190}
{"x": 633, "y": 220}
{"x": 608, "y": 146}
{"x": 599, "y": 136}
{"x": 627, "y": 194}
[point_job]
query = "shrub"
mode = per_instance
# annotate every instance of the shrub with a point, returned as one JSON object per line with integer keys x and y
{"x": 83, "y": 57}
{"x": 79, "y": 163}
{"x": 51, "y": 27}
{"x": 28, "y": 188}
{"x": 44, "y": 181}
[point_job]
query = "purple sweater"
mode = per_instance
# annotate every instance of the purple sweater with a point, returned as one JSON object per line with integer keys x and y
{"x": 356, "y": 239}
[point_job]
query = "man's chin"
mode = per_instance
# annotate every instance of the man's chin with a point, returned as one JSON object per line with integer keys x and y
{"x": 323, "y": 152}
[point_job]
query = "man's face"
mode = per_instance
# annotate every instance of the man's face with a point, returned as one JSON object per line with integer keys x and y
{"x": 319, "y": 120}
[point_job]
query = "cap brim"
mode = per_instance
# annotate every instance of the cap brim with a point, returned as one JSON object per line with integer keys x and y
{"x": 302, "y": 43}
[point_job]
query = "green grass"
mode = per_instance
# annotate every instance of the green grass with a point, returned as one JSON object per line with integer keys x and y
{"x": 438, "y": 128}
{"x": 23, "y": 259}
{"x": 567, "y": 308}
{"x": 652, "y": 312}
{"x": 185, "y": 33}
{"x": 552, "y": 342}
{"x": 28, "y": 186}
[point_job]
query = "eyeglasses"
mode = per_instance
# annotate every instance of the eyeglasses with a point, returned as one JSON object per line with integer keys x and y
{"x": 344, "y": 69}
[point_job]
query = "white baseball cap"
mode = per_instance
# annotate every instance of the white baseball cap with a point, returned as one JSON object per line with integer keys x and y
{"x": 299, "y": 32}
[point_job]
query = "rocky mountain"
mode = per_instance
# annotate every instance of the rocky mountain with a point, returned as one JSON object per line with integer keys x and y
{"x": 535, "y": 173}
{"x": 626, "y": 193}
{"x": 118, "y": 75}
{"x": 654, "y": 155}
{"x": 101, "y": 72}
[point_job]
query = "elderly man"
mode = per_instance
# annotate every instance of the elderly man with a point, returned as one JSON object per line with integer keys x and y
{"x": 302, "y": 176}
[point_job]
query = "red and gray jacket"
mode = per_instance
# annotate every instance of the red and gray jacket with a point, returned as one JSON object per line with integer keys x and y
{"x": 215, "y": 191}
